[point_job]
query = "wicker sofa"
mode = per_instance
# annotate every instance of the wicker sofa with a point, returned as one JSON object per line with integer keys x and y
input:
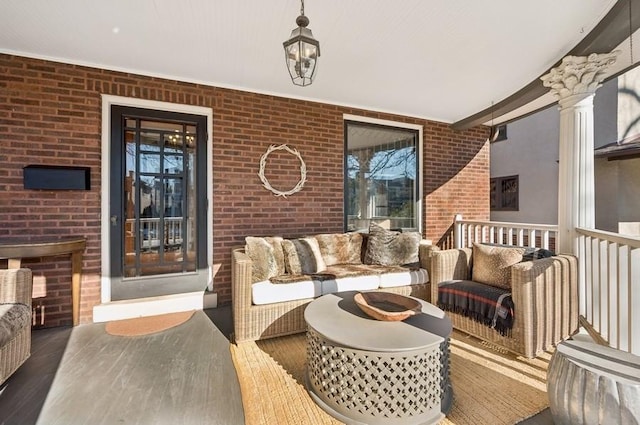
{"x": 15, "y": 320}
{"x": 258, "y": 319}
{"x": 544, "y": 293}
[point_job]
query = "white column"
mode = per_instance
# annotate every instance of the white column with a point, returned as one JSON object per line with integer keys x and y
{"x": 575, "y": 82}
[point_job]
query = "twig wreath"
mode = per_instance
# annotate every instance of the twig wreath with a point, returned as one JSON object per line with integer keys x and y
{"x": 263, "y": 164}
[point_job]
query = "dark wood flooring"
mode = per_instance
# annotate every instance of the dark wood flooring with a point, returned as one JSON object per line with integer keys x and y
{"x": 181, "y": 376}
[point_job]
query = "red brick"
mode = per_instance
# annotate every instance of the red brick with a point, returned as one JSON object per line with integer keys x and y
{"x": 50, "y": 113}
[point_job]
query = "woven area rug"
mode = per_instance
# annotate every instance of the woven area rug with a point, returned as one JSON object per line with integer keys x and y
{"x": 490, "y": 386}
{"x": 147, "y": 325}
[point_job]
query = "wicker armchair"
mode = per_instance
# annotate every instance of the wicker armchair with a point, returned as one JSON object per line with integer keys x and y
{"x": 544, "y": 292}
{"x": 15, "y": 320}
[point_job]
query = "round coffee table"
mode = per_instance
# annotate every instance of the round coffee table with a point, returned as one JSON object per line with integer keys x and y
{"x": 365, "y": 371}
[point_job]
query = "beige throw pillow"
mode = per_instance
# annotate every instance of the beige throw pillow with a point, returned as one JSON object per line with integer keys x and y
{"x": 340, "y": 248}
{"x": 492, "y": 264}
{"x": 267, "y": 257}
{"x": 302, "y": 256}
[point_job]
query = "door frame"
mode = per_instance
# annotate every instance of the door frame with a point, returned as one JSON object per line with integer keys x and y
{"x": 107, "y": 102}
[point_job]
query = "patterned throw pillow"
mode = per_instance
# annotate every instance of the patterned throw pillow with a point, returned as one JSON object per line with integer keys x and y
{"x": 340, "y": 248}
{"x": 389, "y": 248}
{"x": 492, "y": 264}
{"x": 302, "y": 256}
{"x": 267, "y": 257}
{"x": 530, "y": 253}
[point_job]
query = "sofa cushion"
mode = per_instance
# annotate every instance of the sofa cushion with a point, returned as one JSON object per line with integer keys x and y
{"x": 492, "y": 264}
{"x": 13, "y": 318}
{"x": 268, "y": 293}
{"x": 267, "y": 257}
{"x": 290, "y": 278}
{"x": 389, "y": 248}
{"x": 404, "y": 276}
{"x": 340, "y": 248}
{"x": 302, "y": 256}
{"x": 351, "y": 283}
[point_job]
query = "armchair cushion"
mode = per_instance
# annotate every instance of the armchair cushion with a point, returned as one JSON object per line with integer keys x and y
{"x": 13, "y": 318}
{"x": 492, "y": 264}
{"x": 530, "y": 253}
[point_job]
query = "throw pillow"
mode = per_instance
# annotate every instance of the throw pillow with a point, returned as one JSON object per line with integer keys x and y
{"x": 492, "y": 264}
{"x": 337, "y": 248}
{"x": 530, "y": 253}
{"x": 267, "y": 257}
{"x": 389, "y": 248}
{"x": 302, "y": 256}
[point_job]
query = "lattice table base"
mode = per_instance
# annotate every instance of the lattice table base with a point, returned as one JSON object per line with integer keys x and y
{"x": 365, "y": 387}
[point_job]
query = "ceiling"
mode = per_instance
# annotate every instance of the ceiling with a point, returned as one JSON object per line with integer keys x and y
{"x": 439, "y": 59}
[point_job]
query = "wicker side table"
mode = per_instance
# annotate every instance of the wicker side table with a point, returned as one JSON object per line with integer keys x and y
{"x": 364, "y": 371}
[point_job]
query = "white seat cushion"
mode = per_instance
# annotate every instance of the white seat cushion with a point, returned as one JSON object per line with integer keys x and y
{"x": 410, "y": 277}
{"x": 351, "y": 283}
{"x": 266, "y": 292}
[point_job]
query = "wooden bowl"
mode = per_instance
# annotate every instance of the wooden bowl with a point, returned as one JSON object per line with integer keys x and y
{"x": 387, "y": 306}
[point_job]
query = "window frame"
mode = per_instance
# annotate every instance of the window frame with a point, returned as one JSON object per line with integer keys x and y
{"x": 365, "y": 121}
{"x": 499, "y": 194}
{"x": 499, "y": 132}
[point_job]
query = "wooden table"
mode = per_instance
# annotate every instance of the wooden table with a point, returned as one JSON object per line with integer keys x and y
{"x": 15, "y": 251}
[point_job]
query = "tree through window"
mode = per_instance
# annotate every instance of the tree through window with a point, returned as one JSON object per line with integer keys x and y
{"x": 381, "y": 169}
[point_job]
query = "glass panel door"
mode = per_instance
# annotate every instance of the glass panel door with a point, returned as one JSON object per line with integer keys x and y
{"x": 158, "y": 193}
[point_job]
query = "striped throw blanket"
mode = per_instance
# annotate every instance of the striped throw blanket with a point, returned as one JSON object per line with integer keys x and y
{"x": 484, "y": 303}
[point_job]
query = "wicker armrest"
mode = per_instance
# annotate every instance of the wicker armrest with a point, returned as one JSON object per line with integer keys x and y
{"x": 425, "y": 251}
{"x": 240, "y": 287}
{"x": 16, "y": 286}
{"x": 447, "y": 265}
{"x": 545, "y": 293}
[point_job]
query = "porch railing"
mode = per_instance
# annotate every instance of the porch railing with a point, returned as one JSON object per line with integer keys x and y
{"x": 609, "y": 273}
{"x": 610, "y": 286}
{"x": 466, "y": 232}
{"x": 151, "y": 235}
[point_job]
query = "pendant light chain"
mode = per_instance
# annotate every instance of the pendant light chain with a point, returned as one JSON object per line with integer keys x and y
{"x": 302, "y": 7}
{"x": 630, "y": 34}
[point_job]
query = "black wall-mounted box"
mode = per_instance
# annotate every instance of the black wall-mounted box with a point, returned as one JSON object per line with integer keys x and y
{"x": 56, "y": 177}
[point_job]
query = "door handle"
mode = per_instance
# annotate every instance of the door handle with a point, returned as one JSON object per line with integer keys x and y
{"x": 114, "y": 220}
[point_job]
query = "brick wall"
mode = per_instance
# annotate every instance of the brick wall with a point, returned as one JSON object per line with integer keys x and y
{"x": 50, "y": 113}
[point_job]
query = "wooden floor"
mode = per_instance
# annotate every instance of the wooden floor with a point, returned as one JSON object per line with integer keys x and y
{"x": 180, "y": 376}
{"x": 85, "y": 376}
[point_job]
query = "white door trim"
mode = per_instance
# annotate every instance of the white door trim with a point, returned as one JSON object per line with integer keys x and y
{"x": 107, "y": 102}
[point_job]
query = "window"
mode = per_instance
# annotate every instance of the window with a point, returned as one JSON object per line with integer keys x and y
{"x": 381, "y": 181}
{"x": 503, "y": 192}
{"x": 499, "y": 133}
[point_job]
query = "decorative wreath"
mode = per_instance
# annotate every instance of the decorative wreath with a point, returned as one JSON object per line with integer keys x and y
{"x": 265, "y": 182}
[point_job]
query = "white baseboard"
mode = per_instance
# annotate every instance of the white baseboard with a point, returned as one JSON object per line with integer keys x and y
{"x": 153, "y": 306}
{"x": 210, "y": 300}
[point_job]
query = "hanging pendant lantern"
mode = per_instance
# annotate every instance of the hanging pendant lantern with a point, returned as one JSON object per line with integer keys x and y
{"x": 301, "y": 52}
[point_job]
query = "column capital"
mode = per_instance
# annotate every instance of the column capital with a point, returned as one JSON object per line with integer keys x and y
{"x": 579, "y": 74}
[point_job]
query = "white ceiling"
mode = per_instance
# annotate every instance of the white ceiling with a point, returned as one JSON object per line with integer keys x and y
{"x": 436, "y": 59}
